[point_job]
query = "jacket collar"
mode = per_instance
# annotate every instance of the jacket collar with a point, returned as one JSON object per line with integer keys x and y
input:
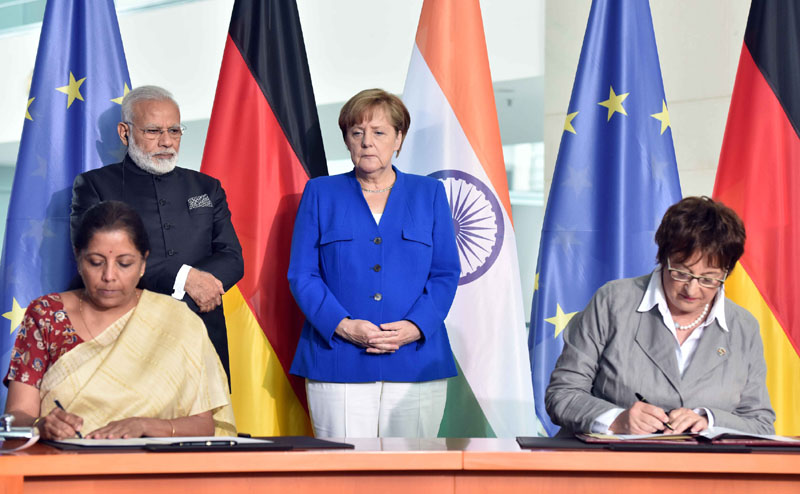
{"x": 654, "y": 296}
{"x": 394, "y": 205}
{"x": 712, "y": 349}
{"x": 398, "y": 182}
{"x": 659, "y": 345}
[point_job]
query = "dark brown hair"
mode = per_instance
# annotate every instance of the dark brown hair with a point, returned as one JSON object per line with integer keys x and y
{"x": 700, "y": 224}
{"x": 362, "y": 106}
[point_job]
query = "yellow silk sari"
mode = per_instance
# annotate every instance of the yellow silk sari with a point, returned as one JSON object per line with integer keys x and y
{"x": 156, "y": 361}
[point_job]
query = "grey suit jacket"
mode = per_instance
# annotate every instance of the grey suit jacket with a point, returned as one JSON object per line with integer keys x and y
{"x": 611, "y": 351}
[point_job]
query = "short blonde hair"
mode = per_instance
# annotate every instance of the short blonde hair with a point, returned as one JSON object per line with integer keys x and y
{"x": 362, "y": 106}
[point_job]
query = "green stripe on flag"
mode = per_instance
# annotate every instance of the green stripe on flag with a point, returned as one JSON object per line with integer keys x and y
{"x": 463, "y": 416}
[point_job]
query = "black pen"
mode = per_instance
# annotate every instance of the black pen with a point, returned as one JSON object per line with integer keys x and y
{"x": 644, "y": 400}
{"x": 59, "y": 405}
{"x": 205, "y": 443}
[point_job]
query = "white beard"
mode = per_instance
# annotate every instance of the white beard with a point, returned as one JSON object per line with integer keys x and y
{"x": 150, "y": 164}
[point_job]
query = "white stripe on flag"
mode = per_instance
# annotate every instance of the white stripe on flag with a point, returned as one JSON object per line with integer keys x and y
{"x": 486, "y": 324}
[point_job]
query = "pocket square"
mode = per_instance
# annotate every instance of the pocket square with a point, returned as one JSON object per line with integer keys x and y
{"x": 200, "y": 202}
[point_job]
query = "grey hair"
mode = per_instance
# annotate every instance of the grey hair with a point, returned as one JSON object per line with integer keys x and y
{"x": 143, "y": 93}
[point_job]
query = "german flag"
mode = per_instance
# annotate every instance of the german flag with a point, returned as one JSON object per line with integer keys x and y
{"x": 759, "y": 177}
{"x": 263, "y": 144}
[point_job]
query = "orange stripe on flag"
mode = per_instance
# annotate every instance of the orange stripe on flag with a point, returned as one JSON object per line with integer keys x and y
{"x": 263, "y": 400}
{"x": 783, "y": 363}
{"x": 442, "y": 25}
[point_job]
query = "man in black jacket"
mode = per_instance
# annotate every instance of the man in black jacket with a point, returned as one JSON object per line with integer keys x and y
{"x": 195, "y": 255}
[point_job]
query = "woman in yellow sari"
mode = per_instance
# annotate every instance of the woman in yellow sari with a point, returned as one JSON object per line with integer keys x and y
{"x": 122, "y": 362}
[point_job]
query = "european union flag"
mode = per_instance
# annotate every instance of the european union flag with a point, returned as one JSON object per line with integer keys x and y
{"x": 615, "y": 176}
{"x": 73, "y": 109}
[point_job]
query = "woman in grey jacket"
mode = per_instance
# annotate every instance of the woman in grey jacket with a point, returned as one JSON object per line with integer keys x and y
{"x": 667, "y": 351}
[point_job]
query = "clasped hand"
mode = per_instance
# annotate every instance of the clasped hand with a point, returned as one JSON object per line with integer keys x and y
{"x": 386, "y": 338}
{"x": 644, "y": 418}
{"x": 205, "y": 289}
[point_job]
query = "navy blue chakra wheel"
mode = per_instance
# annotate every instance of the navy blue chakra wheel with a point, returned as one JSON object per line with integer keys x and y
{"x": 477, "y": 219}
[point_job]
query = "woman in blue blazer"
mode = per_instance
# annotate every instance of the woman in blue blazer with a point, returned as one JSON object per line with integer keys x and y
{"x": 374, "y": 267}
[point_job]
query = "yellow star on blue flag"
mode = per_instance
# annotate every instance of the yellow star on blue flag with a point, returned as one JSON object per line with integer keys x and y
{"x": 125, "y": 92}
{"x": 560, "y": 320}
{"x": 28, "y": 109}
{"x": 72, "y": 90}
{"x": 614, "y": 103}
{"x": 612, "y": 181}
{"x": 15, "y": 315}
{"x": 663, "y": 116}
{"x": 568, "y": 122}
{"x": 80, "y": 66}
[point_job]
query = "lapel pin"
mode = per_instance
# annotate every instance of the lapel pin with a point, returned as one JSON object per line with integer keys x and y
{"x": 721, "y": 351}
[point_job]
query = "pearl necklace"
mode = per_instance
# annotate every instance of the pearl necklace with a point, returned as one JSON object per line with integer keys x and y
{"x": 693, "y": 323}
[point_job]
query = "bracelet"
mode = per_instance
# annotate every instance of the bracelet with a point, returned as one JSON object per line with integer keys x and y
{"x": 172, "y": 434}
{"x": 36, "y": 421}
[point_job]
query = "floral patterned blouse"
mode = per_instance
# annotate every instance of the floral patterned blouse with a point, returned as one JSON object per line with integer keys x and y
{"x": 46, "y": 333}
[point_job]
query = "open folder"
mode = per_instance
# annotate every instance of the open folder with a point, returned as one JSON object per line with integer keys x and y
{"x": 716, "y": 440}
{"x": 715, "y": 435}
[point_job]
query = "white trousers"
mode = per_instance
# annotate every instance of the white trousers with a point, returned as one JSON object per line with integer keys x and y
{"x": 376, "y": 409}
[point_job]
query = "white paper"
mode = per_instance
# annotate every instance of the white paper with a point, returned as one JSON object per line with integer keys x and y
{"x": 717, "y": 432}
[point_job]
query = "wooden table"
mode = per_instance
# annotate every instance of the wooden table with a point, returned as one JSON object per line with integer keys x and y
{"x": 402, "y": 466}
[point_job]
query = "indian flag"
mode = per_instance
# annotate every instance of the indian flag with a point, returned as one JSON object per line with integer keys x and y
{"x": 455, "y": 137}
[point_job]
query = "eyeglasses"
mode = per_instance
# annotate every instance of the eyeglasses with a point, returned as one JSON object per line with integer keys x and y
{"x": 153, "y": 133}
{"x": 687, "y": 277}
